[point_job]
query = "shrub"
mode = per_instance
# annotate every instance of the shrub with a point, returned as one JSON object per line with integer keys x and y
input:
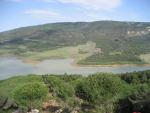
{"x": 30, "y": 95}
{"x": 59, "y": 87}
{"x": 136, "y": 77}
{"x": 99, "y": 87}
{"x": 137, "y": 101}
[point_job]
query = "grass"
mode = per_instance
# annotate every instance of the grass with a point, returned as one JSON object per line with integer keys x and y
{"x": 145, "y": 57}
{"x": 65, "y": 52}
{"x": 111, "y": 59}
{"x": 83, "y": 54}
{"x": 7, "y": 86}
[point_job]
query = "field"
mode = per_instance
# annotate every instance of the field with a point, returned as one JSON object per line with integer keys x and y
{"x": 112, "y": 60}
{"x": 76, "y": 52}
{"x": 145, "y": 57}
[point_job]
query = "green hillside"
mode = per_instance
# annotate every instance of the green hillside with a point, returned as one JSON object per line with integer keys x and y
{"x": 116, "y": 42}
{"x": 97, "y": 93}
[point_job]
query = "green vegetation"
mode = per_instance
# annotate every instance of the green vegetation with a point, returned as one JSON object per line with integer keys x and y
{"x": 120, "y": 42}
{"x": 7, "y": 86}
{"x": 65, "y": 52}
{"x": 30, "y": 95}
{"x": 145, "y": 57}
{"x": 58, "y": 87}
{"x": 97, "y": 93}
{"x": 97, "y": 88}
{"x": 104, "y": 59}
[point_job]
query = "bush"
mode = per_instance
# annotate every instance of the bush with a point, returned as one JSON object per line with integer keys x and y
{"x": 137, "y": 101}
{"x": 59, "y": 87}
{"x": 30, "y": 95}
{"x": 136, "y": 77}
{"x": 99, "y": 87}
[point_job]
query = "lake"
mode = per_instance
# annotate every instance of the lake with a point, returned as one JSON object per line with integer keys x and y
{"x": 10, "y": 66}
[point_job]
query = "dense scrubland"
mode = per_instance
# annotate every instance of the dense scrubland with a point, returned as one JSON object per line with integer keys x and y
{"x": 96, "y": 93}
{"x": 117, "y": 42}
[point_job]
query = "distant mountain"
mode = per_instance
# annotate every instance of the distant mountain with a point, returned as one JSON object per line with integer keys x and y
{"x": 119, "y": 42}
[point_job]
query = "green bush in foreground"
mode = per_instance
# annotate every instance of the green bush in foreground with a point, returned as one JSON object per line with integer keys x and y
{"x": 99, "y": 87}
{"x": 97, "y": 93}
{"x": 59, "y": 88}
{"x": 30, "y": 95}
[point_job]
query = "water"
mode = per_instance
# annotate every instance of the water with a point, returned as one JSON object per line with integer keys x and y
{"x": 10, "y": 66}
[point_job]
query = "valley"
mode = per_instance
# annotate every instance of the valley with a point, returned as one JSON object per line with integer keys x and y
{"x": 74, "y": 56}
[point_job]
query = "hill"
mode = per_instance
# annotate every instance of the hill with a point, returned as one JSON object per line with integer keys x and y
{"x": 115, "y": 42}
{"x": 97, "y": 93}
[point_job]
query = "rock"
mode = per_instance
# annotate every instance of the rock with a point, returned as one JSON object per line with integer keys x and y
{"x": 20, "y": 110}
{"x": 16, "y": 111}
{"x": 66, "y": 110}
{"x": 2, "y": 102}
{"x": 136, "y": 102}
{"x": 51, "y": 106}
{"x": 75, "y": 110}
{"x": 97, "y": 51}
{"x": 9, "y": 104}
{"x": 59, "y": 111}
{"x": 34, "y": 111}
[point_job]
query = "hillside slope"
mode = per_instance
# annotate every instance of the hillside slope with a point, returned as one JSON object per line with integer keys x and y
{"x": 116, "y": 42}
{"x": 97, "y": 93}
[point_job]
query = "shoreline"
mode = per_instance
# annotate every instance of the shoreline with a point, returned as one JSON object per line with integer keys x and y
{"x": 74, "y": 62}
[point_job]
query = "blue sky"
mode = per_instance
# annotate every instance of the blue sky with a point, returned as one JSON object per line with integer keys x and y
{"x": 19, "y": 13}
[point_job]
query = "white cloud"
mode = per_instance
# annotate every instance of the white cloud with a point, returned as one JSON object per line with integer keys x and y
{"x": 92, "y": 4}
{"x": 42, "y": 13}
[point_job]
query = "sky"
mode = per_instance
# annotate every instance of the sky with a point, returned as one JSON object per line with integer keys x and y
{"x": 20, "y": 13}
